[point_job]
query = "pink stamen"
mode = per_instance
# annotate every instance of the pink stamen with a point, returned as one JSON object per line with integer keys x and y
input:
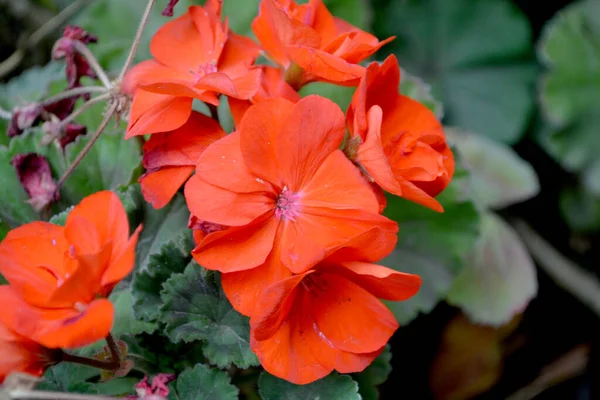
{"x": 287, "y": 205}
{"x": 203, "y": 70}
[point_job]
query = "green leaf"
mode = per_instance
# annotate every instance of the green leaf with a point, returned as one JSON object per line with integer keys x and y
{"x": 374, "y": 375}
{"x": 417, "y": 89}
{"x": 109, "y": 165}
{"x": 31, "y": 86}
{"x": 61, "y": 217}
{"x": 499, "y": 177}
{"x": 591, "y": 178}
{"x": 204, "y": 383}
{"x": 333, "y": 386}
{"x": 499, "y": 278}
{"x": 66, "y": 377}
{"x": 569, "y": 90}
{"x": 432, "y": 245}
{"x": 172, "y": 258}
{"x": 581, "y": 209}
{"x": 195, "y": 308}
{"x": 340, "y": 95}
{"x": 117, "y": 386}
{"x": 485, "y": 81}
{"x": 104, "y": 18}
{"x": 160, "y": 226}
{"x": 125, "y": 322}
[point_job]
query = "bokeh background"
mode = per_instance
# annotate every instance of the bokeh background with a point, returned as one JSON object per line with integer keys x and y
{"x": 510, "y": 304}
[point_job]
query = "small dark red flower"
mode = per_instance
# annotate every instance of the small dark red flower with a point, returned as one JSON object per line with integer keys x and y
{"x": 23, "y": 118}
{"x": 77, "y": 65}
{"x": 35, "y": 176}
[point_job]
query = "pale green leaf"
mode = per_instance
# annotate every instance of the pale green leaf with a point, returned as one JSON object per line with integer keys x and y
{"x": 333, "y": 386}
{"x": 499, "y": 278}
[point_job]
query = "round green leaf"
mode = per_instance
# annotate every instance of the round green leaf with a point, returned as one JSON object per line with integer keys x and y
{"x": 195, "y": 308}
{"x": 581, "y": 209}
{"x": 570, "y": 89}
{"x": 475, "y": 54}
{"x": 204, "y": 383}
{"x": 432, "y": 245}
{"x": 374, "y": 375}
{"x": 499, "y": 177}
{"x": 499, "y": 278}
{"x": 333, "y": 386}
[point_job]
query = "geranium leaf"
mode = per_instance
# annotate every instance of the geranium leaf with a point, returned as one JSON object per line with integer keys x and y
{"x": 147, "y": 283}
{"x": 481, "y": 79}
{"x": 374, "y": 375}
{"x": 160, "y": 226}
{"x": 417, "y": 89}
{"x": 432, "y": 245}
{"x": 499, "y": 278}
{"x": 569, "y": 91}
{"x": 195, "y": 308}
{"x": 581, "y": 209}
{"x": 110, "y": 164}
{"x": 333, "y": 386}
{"x": 125, "y": 322}
{"x": 204, "y": 383}
{"x": 499, "y": 177}
{"x": 31, "y": 86}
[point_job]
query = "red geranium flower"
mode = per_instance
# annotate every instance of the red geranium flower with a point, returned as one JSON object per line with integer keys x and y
{"x": 170, "y": 158}
{"x": 20, "y": 354}
{"x": 398, "y": 141}
{"x": 59, "y": 276}
{"x": 272, "y": 85}
{"x": 280, "y": 180}
{"x": 329, "y": 318}
{"x": 196, "y": 56}
{"x": 311, "y": 44}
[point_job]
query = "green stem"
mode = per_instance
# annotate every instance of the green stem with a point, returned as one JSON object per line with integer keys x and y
{"x": 136, "y": 40}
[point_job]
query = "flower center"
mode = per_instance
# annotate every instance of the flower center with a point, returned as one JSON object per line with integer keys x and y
{"x": 287, "y": 205}
{"x": 203, "y": 70}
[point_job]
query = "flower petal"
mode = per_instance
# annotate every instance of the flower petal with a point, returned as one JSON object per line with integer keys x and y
{"x": 31, "y": 259}
{"x": 56, "y": 328}
{"x": 289, "y": 354}
{"x": 152, "y": 113}
{"x": 171, "y": 44}
{"x": 348, "y": 316}
{"x": 122, "y": 263}
{"x": 338, "y": 184}
{"x": 107, "y": 216}
{"x": 318, "y": 232}
{"x": 372, "y": 157}
{"x": 313, "y": 130}
{"x": 222, "y": 165}
{"x": 150, "y": 72}
{"x": 182, "y": 146}
{"x": 237, "y": 249}
{"x": 244, "y": 288}
{"x": 221, "y": 206}
{"x": 382, "y": 282}
{"x": 259, "y": 130}
{"x": 327, "y": 67}
{"x": 159, "y": 187}
{"x": 241, "y": 87}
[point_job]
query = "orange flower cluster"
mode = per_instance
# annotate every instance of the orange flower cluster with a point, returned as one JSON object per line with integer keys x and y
{"x": 288, "y": 206}
{"x": 60, "y": 278}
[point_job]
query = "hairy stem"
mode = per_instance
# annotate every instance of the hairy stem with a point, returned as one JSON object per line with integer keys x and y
{"x": 73, "y": 92}
{"x": 91, "y": 59}
{"x": 94, "y": 100}
{"x": 19, "y": 394}
{"x": 115, "y": 353}
{"x": 106, "y": 365}
{"x": 136, "y": 40}
{"x": 53, "y": 23}
{"x": 88, "y": 146}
